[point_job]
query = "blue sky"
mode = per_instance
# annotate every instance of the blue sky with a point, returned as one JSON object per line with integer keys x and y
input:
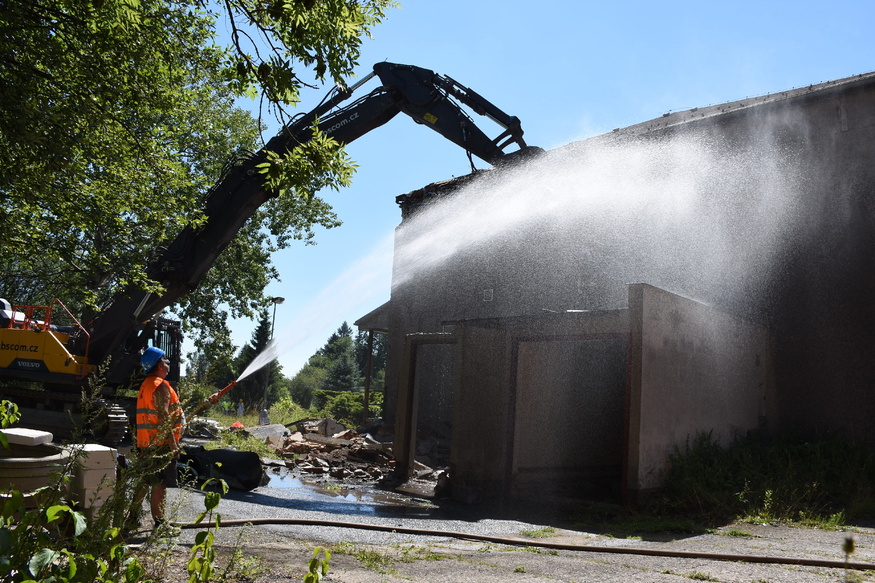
{"x": 569, "y": 69}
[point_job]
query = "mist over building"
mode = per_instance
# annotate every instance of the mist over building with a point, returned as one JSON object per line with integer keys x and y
{"x": 559, "y": 326}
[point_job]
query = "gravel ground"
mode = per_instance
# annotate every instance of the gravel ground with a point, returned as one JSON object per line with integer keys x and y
{"x": 278, "y": 553}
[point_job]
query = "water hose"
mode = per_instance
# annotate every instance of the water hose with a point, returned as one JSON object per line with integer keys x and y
{"x": 213, "y": 399}
{"x": 800, "y": 561}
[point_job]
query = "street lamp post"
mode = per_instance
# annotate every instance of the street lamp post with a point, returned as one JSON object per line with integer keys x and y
{"x": 264, "y": 419}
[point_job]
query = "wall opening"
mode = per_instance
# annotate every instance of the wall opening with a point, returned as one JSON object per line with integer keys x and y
{"x": 568, "y": 419}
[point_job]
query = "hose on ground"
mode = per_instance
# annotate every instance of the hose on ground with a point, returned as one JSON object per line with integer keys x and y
{"x": 800, "y": 561}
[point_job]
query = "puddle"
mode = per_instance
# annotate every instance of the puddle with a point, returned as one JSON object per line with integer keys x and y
{"x": 359, "y": 494}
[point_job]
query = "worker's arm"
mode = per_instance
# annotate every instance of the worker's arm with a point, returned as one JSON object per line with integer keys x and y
{"x": 215, "y": 397}
{"x": 162, "y": 407}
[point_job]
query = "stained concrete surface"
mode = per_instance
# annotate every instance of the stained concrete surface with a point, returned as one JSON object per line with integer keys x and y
{"x": 282, "y": 550}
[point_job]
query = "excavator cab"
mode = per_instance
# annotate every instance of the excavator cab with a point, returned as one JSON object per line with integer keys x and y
{"x": 34, "y": 347}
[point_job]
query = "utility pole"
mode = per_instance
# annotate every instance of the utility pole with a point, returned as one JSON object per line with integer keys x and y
{"x": 263, "y": 418}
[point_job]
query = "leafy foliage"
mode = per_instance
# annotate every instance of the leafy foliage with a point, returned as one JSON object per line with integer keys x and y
{"x": 44, "y": 538}
{"x": 347, "y": 407}
{"x": 379, "y": 353}
{"x": 252, "y": 388}
{"x": 302, "y": 386}
{"x": 317, "y": 568}
{"x": 337, "y": 367}
{"x": 201, "y": 562}
{"x": 344, "y": 373}
{"x": 765, "y": 479}
{"x": 117, "y": 116}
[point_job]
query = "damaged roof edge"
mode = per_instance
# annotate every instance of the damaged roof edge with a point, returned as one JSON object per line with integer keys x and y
{"x": 696, "y": 113}
{"x": 436, "y": 190}
{"x": 377, "y": 320}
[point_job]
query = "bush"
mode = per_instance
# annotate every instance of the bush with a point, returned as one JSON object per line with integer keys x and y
{"x": 287, "y": 411}
{"x": 769, "y": 479}
{"x": 346, "y": 407}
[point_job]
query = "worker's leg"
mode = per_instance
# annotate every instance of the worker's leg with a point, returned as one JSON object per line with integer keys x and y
{"x": 158, "y": 498}
{"x": 133, "y": 520}
{"x": 156, "y": 501}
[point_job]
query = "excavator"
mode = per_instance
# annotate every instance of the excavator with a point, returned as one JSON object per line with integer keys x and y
{"x": 59, "y": 360}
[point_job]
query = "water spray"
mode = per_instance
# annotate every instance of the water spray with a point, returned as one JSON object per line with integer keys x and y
{"x": 266, "y": 356}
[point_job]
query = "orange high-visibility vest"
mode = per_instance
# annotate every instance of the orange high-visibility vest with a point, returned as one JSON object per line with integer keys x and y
{"x": 148, "y": 420}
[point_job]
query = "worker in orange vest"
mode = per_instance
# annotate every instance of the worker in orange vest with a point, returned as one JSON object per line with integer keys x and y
{"x": 159, "y": 429}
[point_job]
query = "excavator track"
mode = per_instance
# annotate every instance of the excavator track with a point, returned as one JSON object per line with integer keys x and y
{"x": 60, "y": 413}
{"x": 116, "y": 424}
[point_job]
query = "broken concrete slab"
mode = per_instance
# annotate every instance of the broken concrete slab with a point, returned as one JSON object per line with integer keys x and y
{"x": 330, "y": 441}
{"x": 329, "y": 426}
{"x": 262, "y": 432}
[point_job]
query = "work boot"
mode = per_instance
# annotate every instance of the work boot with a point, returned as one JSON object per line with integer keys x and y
{"x": 132, "y": 523}
{"x": 164, "y": 528}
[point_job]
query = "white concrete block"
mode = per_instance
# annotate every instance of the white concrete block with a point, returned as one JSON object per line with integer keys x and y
{"x": 92, "y": 497}
{"x": 94, "y": 457}
{"x": 90, "y": 479}
{"x": 24, "y": 436}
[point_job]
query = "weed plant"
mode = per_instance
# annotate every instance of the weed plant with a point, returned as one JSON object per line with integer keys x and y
{"x": 760, "y": 478}
{"x": 46, "y": 536}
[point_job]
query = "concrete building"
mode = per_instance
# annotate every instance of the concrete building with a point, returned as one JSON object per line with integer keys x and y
{"x": 561, "y": 326}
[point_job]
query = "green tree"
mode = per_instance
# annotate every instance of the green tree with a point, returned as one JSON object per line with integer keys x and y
{"x": 305, "y": 383}
{"x": 213, "y": 364}
{"x": 116, "y": 117}
{"x": 344, "y": 373}
{"x": 332, "y": 367}
{"x": 338, "y": 343}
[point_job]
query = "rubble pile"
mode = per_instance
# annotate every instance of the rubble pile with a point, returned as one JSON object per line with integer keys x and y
{"x": 327, "y": 451}
{"x": 323, "y": 446}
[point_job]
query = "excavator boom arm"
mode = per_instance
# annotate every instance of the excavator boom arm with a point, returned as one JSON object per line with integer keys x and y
{"x": 420, "y": 93}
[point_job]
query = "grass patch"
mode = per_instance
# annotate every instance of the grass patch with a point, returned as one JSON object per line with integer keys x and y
{"x": 374, "y": 560}
{"x": 384, "y": 563}
{"x": 699, "y": 576}
{"x": 241, "y": 442}
{"x": 695, "y": 575}
{"x": 411, "y": 553}
{"x": 634, "y": 524}
{"x": 737, "y": 532}
{"x": 545, "y": 532}
{"x": 758, "y": 479}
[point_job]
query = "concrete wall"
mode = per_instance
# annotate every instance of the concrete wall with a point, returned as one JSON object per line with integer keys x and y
{"x": 693, "y": 370}
{"x": 480, "y": 428}
{"x": 540, "y": 403}
{"x": 781, "y": 236}
{"x": 819, "y": 301}
{"x": 570, "y": 410}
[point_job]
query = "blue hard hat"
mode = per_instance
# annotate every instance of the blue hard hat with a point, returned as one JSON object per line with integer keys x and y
{"x": 150, "y": 356}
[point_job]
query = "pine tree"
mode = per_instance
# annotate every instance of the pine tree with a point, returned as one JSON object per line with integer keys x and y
{"x": 251, "y": 388}
{"x": 338, "y": 343}
{"x": 344, "y": 373}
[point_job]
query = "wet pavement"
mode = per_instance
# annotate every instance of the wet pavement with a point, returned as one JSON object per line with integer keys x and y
{"x": 290, "y": 497}
{"x": 492, "y": 548}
